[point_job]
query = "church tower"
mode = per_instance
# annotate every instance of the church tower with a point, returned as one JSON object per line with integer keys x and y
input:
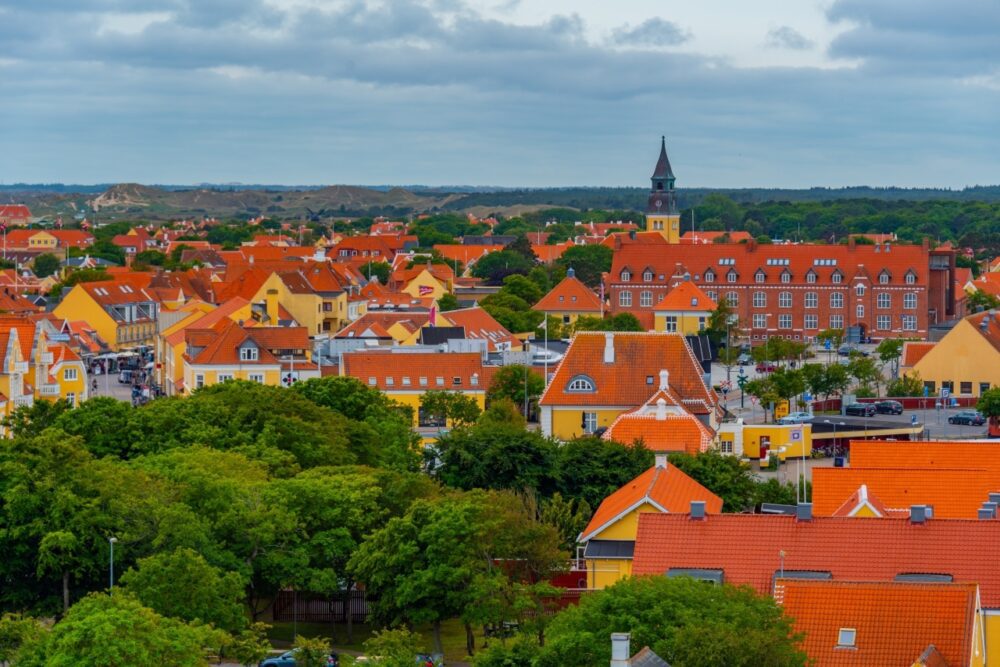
{"x": 661, "y": 212}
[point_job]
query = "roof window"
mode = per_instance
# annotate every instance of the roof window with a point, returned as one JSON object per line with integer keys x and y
{"x": 846, "y": 638}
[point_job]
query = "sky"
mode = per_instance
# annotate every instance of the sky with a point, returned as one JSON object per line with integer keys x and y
{"x": 538, "y": 93}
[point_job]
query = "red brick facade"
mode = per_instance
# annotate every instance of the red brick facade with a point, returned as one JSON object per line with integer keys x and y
{"x": 794, "y": 291}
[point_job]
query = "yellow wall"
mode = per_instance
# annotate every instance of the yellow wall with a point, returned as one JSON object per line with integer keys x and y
{"x": 567, "y": 423}
{"x": 603, "y": 572}
{"x": 866, "y": 512}
{"x": 961, "y": 356}
{"x": 780, "y": 436}
{"x": 402, "y": 335}
{"x": 272, "y": 374}
{"x": 993, "y": 639}
{"x": 412, "y": 399}
{"x": 688, "y": 322}
{"x": 425, "y": 279}
{"x": 77, "y": 387}
{"x": 569, "y": 316}
{"x": 306, "y": 309}
{"x": 669, "y": 226}
{"x": 78, "y": 306}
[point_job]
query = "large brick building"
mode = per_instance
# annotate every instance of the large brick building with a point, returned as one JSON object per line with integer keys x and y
{"x": 789, "y": 290}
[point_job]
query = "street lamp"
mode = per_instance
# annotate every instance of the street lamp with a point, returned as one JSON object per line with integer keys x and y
{"x": 835, "y": 425}
{"x": 111, "y": 565}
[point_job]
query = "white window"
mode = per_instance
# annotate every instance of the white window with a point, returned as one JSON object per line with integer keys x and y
{"x": 423, "y": 381}
{"x": 710, "y": 276}
{"x": 883, "y": 278}
{"x": 786, "y": 277}
{"x": 726, "y": 446}
{"x": 199, "y": 381}
{"x": 589, "y": 422}
{"x": 759, "y": 321}
{"x": 812, "y": 300}
{"x": 759, "y": 300}
{"x": 733, "y": 298}
{"x": 859, "y": 289}
{"x": 759, "y": 277}
{"x": 812, "y": 321}
{"x": 647, "y": 276}
{"x": 811, "y": 276}
{"x": 625, "y": 298}
{"x": 859, "y": 311}
{"x": 713, "y": 295}
{"x": 390, "y": 381}
{"x": 702, "y": 323}
{"x": 883, "y": 322}
{"x": 909, "y": 322}
{"x": 910, "y": 301}
{"x": 626, "y": 275}
{"x": 785, "y": 321}
{"x": 884, "y": 300}
{"x": 836, "y": 321}
{"x": 372, "y": 381}
{"x": 670, "y": 325}
{"x": 439, "y": 381}
{"x": 69, "y": 375}
{"x": 225, "y": 377}
{"x": 406, "y": 381}
{"x": 580, "y": 384}
{"x": 248, "y": 354}
{"x": 837, "y": 277}
{"x": 731, "y": 276}
{"x": 257, "y": 377}
{"x": 71, "y": 399}
{"x": 474, "y": 380}
{"x": 645, "y": 298}
{"x": 911, "y": 278}
{"x": 846, "y": 637}
{"x": 785, "y": 300}
{"x": 836, "y": 299}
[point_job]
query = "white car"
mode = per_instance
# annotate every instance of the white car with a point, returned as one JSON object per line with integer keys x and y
{"x": 796, "y": 418}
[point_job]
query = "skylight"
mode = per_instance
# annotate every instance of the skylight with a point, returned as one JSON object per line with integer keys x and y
{"x": 846, "y": 637}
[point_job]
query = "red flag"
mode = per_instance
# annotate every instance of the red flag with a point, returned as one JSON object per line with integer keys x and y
{"x": 425, "y": 290}
{"x": 433, "y": 316}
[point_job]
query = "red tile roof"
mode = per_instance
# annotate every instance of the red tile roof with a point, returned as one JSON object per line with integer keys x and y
{"x": 894, "y": 622}
{"x": 115, "y": 292}
{"x": 686, "y": 297}
{"x": 480, "y": 325}
{"x": 667, "y": 489}
{"x": 970, "y": 454}
{"x": 360, "y": 328}
{"x": 673, "y": 433}
{"x": 222, "y": 343}
{"x": 570, "y": 295}
{"x": 418, "y": 371}
{"x": 749, "y": 548}
{"x": 547, "y": 254}
{"x": 914, "y": 351}
{"x": 466, "y": 254}
{"x": 631, "y": 379}
{"x": 18, "y": 212}
{"x": 954, "y": 493}
{"x": 72, "y": 238}
{"x": 710, "y": 237}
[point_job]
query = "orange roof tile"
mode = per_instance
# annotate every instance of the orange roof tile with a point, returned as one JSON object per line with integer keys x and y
{"x": 710, "y": 237}
{"x": 848, "y": 548}
{"x": 968, "y": 454}
{"x": 547, "y": 254}
{"x": 480, "y": 325}
{"x": 894, "y": 622}
{"x": 914, "y": 351}
{"x": 667, "y": 488}
{"x": 639, "y": 358}
{"x": 686, "y": 296}
{"x": 466, "y": 254}
{"x": 359, "y": 327}
{"x": 389, "y": 370}
{"x": 954, "y": 493}
{"x": 672, "y": 433}
{"x": 862, "y": 498}
{"x": 570, "y": 295}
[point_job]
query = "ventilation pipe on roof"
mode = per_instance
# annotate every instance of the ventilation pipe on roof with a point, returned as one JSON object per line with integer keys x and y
{"x": 992, "y": 508}
{"x": 570, "y": 273}
{"x": 609, "y": 348}
{"x": 804, "y": 512}
{"x": 994, "y": 498}
{"x": 661, "y": 460}
{"x": 664, "y": 379}
{"x": 661, "y": 410}
{"x": 985, "y": 514}
{"x": 621, "y": 649}
{"x": 697, "y": 510}
{"x": 918, "y": 513}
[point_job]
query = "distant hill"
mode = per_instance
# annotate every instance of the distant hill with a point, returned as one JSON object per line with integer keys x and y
{"x": 132, "y": 200}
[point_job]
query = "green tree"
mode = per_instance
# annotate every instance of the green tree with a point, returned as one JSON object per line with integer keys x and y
{"x": 393, "y": 648}
{"x": 251, "y": 645}
{"x": 979, "y": 301}
{"x": 618, "y": 322}
{"x": 522, "y": 246}
{"x": 908, "y": 384}
{"x": 182, "y": 584}
{"x": 684, "y": 621}
{"x": 448, "y": 302}
{"x": 835, "y": 336}
{"x": 311, "y": 651}
{"x": 722, "y": 328}
{"x": 726, "y": 476}
{"x": 522, "y": 287}
{"x": 588, "y": 261}
{"x": 590, "y": 469}
{"x": 379, "y": 270}
{"x": 46, "y": 265}
{"x": 518, "y": 384}
{"x": 452, "y": 407}
{"x": 989, "y": 402}
{"x": 567, "y": 516}
{"x": 494, "y": 456}
{"x": 889, "y": 352}
{"x": 101, "y": 626}
{"x": 16, "y": 631}
{"x": 496, "y": 266}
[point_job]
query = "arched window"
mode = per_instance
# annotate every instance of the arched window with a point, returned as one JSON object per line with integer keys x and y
{"x": 626, "y": 275}
{"x": 580, "y": 383}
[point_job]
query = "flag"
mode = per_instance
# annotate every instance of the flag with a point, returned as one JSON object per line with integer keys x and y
{"x": 425, "y": 290}
{"x": 432, "y": 320}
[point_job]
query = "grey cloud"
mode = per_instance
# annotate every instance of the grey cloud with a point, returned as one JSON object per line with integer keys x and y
{"x": 787, "y": 37}
{"x": 651, "y": 32}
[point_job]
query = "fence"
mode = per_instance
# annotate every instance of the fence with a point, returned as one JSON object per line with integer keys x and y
{"x": 909, "y": 402}
{"x": 309, "y": 607}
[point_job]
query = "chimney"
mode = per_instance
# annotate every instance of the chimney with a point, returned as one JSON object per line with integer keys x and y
{"x": 661, "y": 459}
{"x": 926, "y": 243}
{"x": 991, "y": 508}
{"x": 804, "y": 512}
{"x": 271, "y": 306}
{"x": 664, "y": 379}
{"x": 661, "y": 410}
{"x": 320, "y": 254}
{"x": 621, "y": 649}
{"x": 751, "y": 244}
{"x": 994, "y": 498}
{"x": 697, "y": 510}
{"x": 918, "y": 514}
{"x": 570, "y": 273}
{"x": 852, "y": 243}
{"x": 985, "y": 514}
{"x": 609, "y": 348}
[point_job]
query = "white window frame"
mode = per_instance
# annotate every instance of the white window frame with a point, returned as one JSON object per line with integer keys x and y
{"x": 911, "y": 278}
{"x": 710, "y": 276}
{"x": 249, "y": 353}
{"x": 859, "y": 289}
{"x": 70, "y": 375}
{"x": 626, "y": 276}
{"x": 647, "y": 276}
{"x": 811, "y": 321}
{"x": 909, "y": 322}
{"x": 223, "y": 377}
{"x": 836, "y": 299}
{"x": 199, "y": 381}
{"x": 785, "y": 321}
{"x": 836, "y": 321}
{"x": 836, "y": 278}
{"x": 760, "y": 277}
{"x": 256, "y": 377}
{"x": 784, "y": 300}
{"x": 581, "y": 383}
{"x": 760, "y": 299}
{"x": 646, "y": 299}
{"x": 910, "y": 301}
{"x": 883, "y": 322}
{"x": 811, "y": 300}
{"x": 625, "y": 298}
{"x": 811, "y": 277}
{"x": 859, "y": 311}
{"x": 733, "y": 298}
{"x": 883, "y": 301}
{"x": 589, "y": 422}
{"x": 759, "y": 320}
{"x": 670, "y": 323}
{"x": 731, "y": 276}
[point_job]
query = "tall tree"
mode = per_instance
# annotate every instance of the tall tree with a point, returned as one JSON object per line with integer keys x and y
{"x": 588, "y": 261}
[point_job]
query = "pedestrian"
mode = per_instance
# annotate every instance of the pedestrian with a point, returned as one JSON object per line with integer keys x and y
{"x": 93, "y": 385}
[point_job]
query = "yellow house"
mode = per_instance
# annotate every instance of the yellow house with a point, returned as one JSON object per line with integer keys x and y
{"x": 603, "y": 375}
{"x": 122, "y": 315}
{"x": 570, "y": 300}
{"x": 65, "y": 371}
{"x": 387, "y": 328}
{"x": 14, "y": 369}
{"x": 404, "y": 376}
{"x": 684, "y": 309}
{"x": 291, "y": 291}
{"x": 427, "y": 282}
{"x": 788, "y": 441}
{"x": 609, "y": 538}
{"x": 966, "y": 361}
{"x": 276, "y": 356}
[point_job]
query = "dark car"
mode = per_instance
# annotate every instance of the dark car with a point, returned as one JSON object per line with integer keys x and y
{"x": 889, "y": 408}
{"x": 287, "y": 659}
{"x": 860, "y": 410}
{"x": 967, "y": 417}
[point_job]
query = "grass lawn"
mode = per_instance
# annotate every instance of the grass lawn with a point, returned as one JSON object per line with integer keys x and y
{"x": 452, "y": 636}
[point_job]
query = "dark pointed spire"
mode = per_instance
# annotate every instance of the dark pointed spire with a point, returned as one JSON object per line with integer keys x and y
{"x": 663, "y": 170}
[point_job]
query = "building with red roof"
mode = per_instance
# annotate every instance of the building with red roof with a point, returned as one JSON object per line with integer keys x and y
{"x": 696, "y": 237}
{"x": 966, "y": 362}
{"x": 570, "y": 300}
{"x": 684, "y": 309}
{"x": 480, "y": 325}
{"x": 121, "y": 312}
{"x": 47, "y": 240}
{"x": 14, "y": 215}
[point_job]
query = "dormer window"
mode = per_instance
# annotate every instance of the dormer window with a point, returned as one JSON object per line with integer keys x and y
{"x": 626, "y": 275}
{"x": 760, "y": 276}
{"x": 731, "y": 276}
{"x": 580, "y": 383}
{"x": 859, "y": 289}
{"x": 249, "y": 353}
{"x": 710, "y": 276}
{"x": 911, "y": 277}
{"x": 811, "y": 276}
{"x": 647, "y": 276}
{"x": 883, "y": 278}
{"x": 837, "y": 277}
{"x": 786, "y": 276}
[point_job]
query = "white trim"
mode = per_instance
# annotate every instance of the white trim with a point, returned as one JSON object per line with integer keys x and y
{"x": 621, "y": 515}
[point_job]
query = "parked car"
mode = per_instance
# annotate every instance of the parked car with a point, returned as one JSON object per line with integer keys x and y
{"x": 889, "y": 408}
{"x": 860, "y": 410}
{"x": 967, "y": 417}
{"x": 287, "y": 659}
{"x": 766, "y": 367}
{"x": 744, "y": 359}
{"x": 796, "y": 418}
{"x": 848, "y": 350}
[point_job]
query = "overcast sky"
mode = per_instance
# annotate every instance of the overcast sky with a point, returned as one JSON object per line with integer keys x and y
{"x": 790, "y": 93}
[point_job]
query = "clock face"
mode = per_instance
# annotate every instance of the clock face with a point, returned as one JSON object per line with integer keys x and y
{"x": 659, "y": 203}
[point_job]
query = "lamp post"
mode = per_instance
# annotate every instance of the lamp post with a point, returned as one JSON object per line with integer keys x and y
{"x": 111, "y": 565}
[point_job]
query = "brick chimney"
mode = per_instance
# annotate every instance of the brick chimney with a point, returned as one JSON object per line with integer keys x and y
{"x": 609, "y": 348}
{"x": 664, "y": 379}
{"x": 852, "y": 243}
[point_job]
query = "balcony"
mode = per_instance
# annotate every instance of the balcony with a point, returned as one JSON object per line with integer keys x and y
{"x": 24, "y": 401}
{"x": 19, "y": 367}
{"x": 49, "y": 390}
{"x": 45, "y": 358}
